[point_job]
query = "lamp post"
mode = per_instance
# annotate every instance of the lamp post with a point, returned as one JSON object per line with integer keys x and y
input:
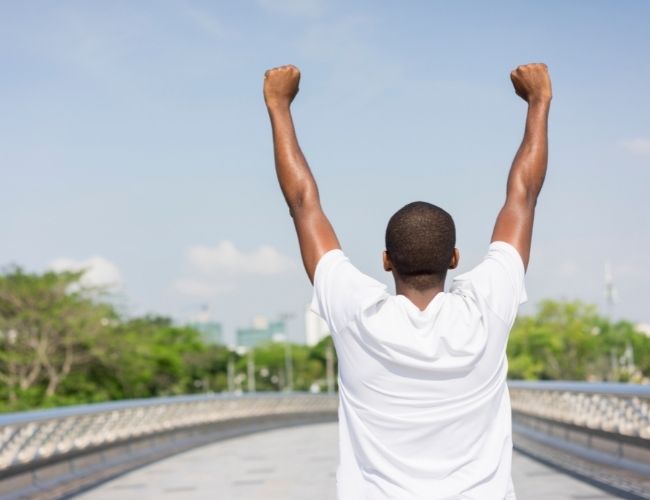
{"x": 250, "y": 365}
{"x": 329, "y": 367}
{"x": 288, "y": 359}
{"x": 231, "y": 369}
{"x": 288, "y": 363}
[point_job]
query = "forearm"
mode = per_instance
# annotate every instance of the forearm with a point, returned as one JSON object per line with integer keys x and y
{"x": 529, "y": 165}
{"x": 295, "y": 178}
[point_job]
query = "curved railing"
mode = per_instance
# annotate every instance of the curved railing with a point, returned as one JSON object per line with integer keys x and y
{"x": 53, "y": 453}
{"x": 598, "y": 431}
{"x": 616, "y": 408}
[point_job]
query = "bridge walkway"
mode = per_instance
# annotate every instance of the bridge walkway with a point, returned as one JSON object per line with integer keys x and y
{"x": 292, "y": 463}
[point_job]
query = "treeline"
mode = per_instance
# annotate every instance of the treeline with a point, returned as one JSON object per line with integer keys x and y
{"x": 571, "y": 341}
{"x": 62, "y": 344}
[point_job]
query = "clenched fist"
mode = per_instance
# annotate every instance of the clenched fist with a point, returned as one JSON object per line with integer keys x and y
{"x": 281, "y": 85}
{"x": 532, "y": 82}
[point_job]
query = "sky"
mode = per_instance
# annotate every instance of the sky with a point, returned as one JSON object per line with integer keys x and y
{"x": 134, "y": 142}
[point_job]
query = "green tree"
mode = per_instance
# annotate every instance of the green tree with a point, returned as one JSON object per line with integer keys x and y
{"x": 47, "y": 322}
{"x": 146, "y": 357}
{"x": 571, "y": 341}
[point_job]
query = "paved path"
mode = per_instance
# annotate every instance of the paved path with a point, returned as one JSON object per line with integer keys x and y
{"x": 295, "y": 463}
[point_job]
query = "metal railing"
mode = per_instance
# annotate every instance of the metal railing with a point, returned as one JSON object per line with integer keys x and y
{"x": 600, "y": 432}
{"x": 53, "y": 453}
{"x": 615, "y": 408}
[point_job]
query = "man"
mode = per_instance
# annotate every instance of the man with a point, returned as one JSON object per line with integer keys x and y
{"x": 424, "y": 409}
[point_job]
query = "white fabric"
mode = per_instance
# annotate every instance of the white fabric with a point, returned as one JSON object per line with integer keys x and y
{"x": 424, "y": 408}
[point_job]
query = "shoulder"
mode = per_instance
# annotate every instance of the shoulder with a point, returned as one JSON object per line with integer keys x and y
{"x": 501, "y": 257}
{"x": 328, "y": 260}
{"x": 334, "y": 267}
{"x": 497, "y": 282}
{"x": 341, "y": 290}
{"x": 508, "y": 255}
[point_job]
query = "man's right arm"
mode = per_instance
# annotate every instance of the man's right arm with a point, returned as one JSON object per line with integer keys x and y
{"x": 514, "y": 224}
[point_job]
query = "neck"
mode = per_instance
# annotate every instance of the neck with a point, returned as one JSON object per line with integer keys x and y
{"x": 421, "y": 298}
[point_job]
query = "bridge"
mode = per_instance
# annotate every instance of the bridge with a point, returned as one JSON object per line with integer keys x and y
{"x": 572, "y": 440}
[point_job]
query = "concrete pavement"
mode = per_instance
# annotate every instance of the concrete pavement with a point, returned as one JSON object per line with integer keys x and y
{"x": 285, "y": 464}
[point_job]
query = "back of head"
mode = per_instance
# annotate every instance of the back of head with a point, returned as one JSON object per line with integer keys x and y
{"x": 420, "y": 240}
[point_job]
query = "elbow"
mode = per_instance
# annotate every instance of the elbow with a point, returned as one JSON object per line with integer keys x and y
{"x": 524, "y": 191}
{"x": 302, "y": 201}
{"x": 527, "y": 198}
{"x": 530, "y": 197}
{"x": 524, "y": 196}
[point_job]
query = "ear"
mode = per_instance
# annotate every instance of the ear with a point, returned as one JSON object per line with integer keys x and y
{"x": 455, "y": 258}
{"x": 388, "y": 265}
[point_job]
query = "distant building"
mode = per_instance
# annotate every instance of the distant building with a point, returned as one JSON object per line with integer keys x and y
{"x": 315, "y": 328}
{"x": 261, "y": 332}
{"x": 211, "y": 331}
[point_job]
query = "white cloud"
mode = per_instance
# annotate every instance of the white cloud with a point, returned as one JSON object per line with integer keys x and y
{"x": 639, "y": 146}
{"x": 220, "y": 269}
{"x": 294, "y": 7}
{"x": 99, "y": 272}
{"x": 225, "y": 258}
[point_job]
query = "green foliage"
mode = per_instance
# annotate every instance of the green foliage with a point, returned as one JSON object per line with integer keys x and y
{"x": 570, "y": 341}
{"x": 47, "y": 323}
{"x": 60, "y": 344}
{"x": 270, "y": 363}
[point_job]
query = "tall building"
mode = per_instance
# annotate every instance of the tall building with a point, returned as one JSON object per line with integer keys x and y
{"x": 211, "y": 331}
{"x": 262, "y": 331}
{"x": 315, "y": 328}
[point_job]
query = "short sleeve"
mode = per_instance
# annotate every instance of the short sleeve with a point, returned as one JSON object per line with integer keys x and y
{"x": 497, "y": 282}
{"x": 341, "y": 291}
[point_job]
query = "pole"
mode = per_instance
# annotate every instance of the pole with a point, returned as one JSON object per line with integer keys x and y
{"x": 329, "y": 366}
{"x": 231, "y": 373}
{"x": 251, "y": 371}
{"x": 288, "y": 365}
{"x": 288, "y": 358}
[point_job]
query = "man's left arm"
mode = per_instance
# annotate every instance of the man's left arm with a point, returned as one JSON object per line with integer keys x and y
{"x": 315, "y": 233}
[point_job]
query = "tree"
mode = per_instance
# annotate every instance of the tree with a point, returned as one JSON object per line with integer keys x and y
{"x": 571, "y": 341}
{"x": 148, "y": 356}
{"x": 46, "y": 323}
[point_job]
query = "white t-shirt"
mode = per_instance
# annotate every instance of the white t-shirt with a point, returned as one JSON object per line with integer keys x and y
{"x": 424, "y": 408}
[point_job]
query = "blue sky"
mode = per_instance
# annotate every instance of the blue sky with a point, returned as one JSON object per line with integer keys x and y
{"x": 134, "y": 140}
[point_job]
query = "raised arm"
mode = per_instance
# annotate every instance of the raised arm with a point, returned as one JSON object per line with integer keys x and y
{"x": 514, "y": 224}
{"x": 315, "y": 233}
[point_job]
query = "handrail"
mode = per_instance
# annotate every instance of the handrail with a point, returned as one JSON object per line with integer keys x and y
{"x": 91, "y": 408}
{"x": 30, "y": 436}
{"x": 31, "y": 441}
{"x": 613, "y": 408}
{"x": 641, "y": 390}
{"x": 94, "y": 442}
{"x": 599, "y": 432}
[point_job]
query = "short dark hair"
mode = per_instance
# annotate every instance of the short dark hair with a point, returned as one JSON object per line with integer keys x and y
{"x": 420, "y": 240}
